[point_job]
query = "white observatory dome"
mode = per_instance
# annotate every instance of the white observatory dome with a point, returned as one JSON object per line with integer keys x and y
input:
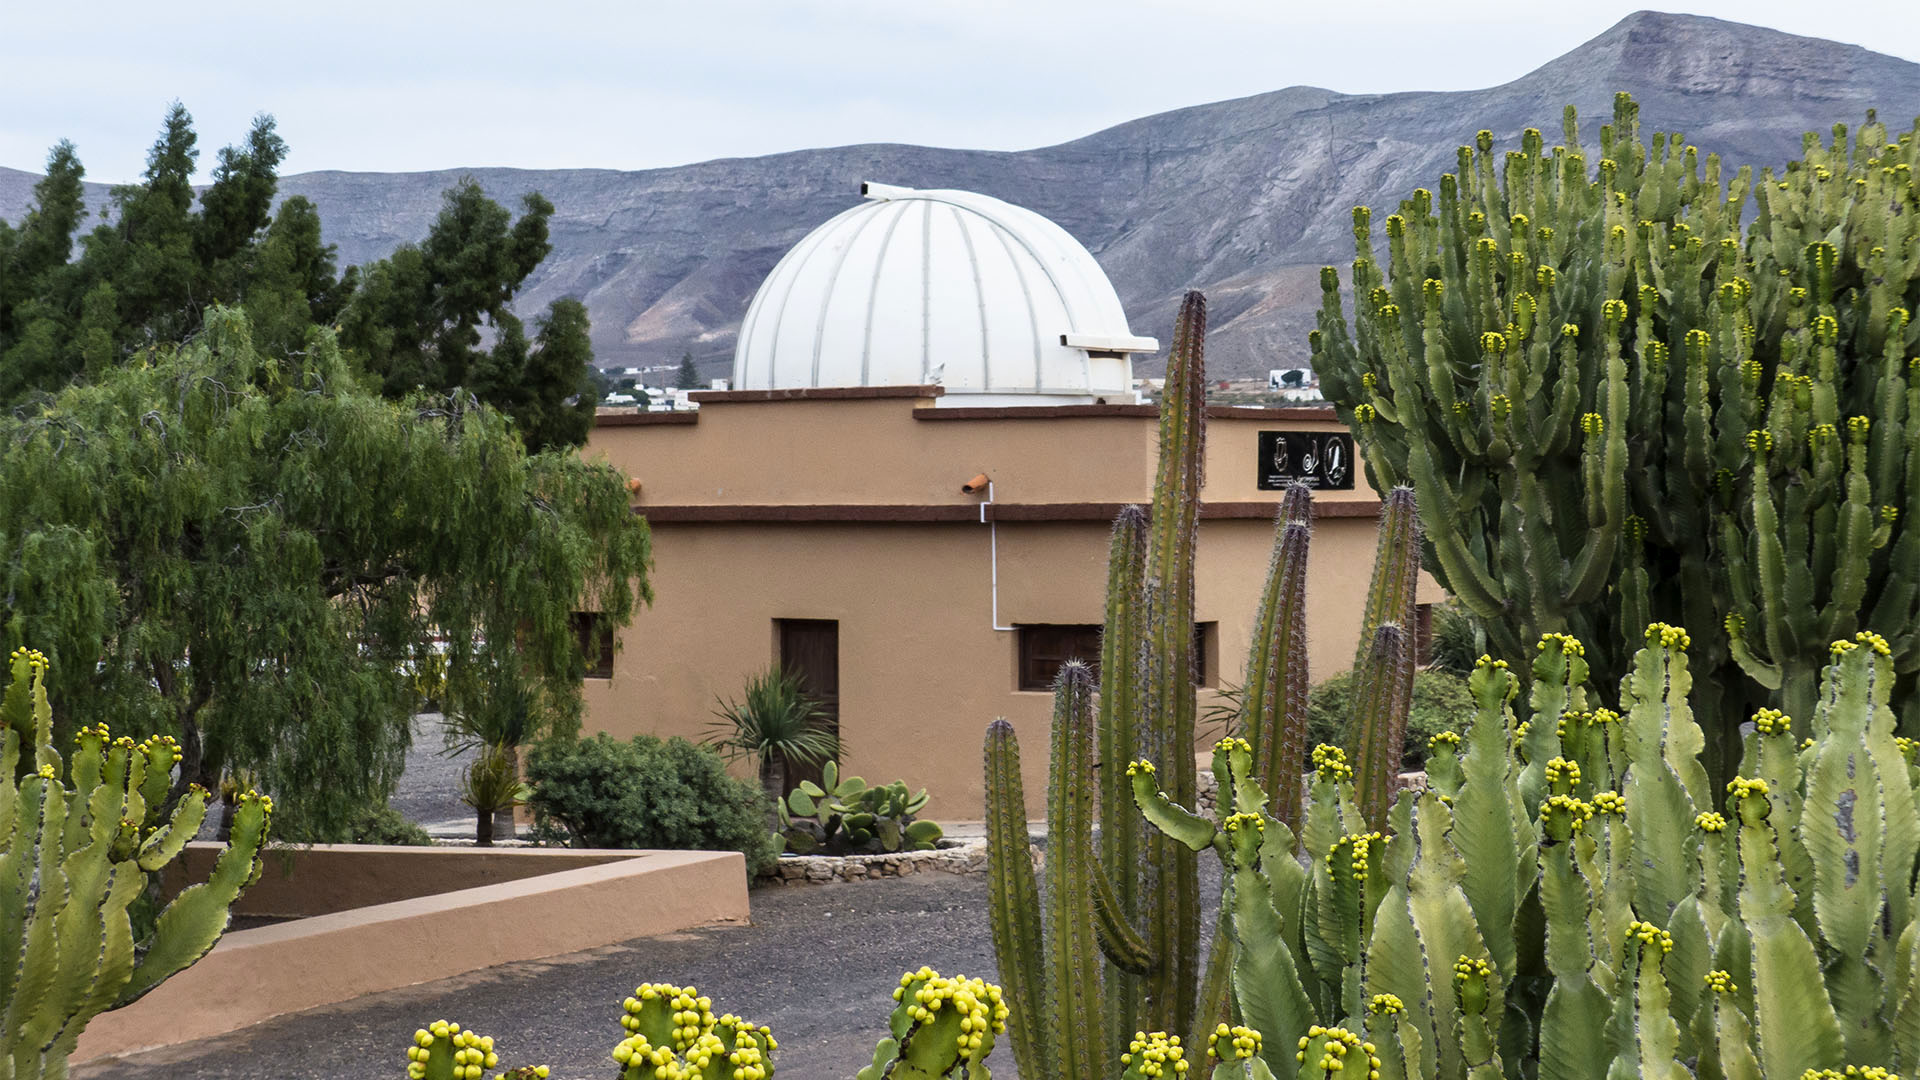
{"x": 991, "y": 301}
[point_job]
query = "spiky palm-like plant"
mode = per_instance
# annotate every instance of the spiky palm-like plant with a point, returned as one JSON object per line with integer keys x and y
{"x": 774, "y": 725}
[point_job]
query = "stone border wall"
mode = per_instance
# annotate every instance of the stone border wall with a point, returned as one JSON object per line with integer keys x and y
{"x": 966, "y": 858}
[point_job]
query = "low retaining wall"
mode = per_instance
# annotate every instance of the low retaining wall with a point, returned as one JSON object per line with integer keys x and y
{"x": 253, "y": 975}
{"x": 325, "y": 878}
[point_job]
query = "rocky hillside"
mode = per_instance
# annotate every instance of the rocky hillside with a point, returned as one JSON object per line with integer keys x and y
{"x": 1245, "y": 199}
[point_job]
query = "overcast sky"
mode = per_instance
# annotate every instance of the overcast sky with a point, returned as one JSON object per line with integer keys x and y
{"x": 400, "y": 85}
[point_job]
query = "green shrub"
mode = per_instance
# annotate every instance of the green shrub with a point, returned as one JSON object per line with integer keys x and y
{"x": 646, "y": 793}
{"x": 1457, "y": 640}
{"x": 385, "y": 825}
{"x": 1440, "y": 703}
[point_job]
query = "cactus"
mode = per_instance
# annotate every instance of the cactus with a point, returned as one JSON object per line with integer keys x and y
{"x": 942, "y": 1027}
{"x": 77, "y": 855}
{"x": 1614, "y": 923}
{"x": 1118, "y": 950}
{"x": 672, "y": 1034}
{"x": 1100, "y": 969}
{"x": 1617, "y": 409}
{"x": 441, "y": 1051}
{"x": 846, "y": 816}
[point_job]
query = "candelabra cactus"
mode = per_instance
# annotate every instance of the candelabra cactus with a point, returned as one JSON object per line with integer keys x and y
{"x": 441, "y": 1051}
{"x": 78, "y": 852}
{"x": 1118, "y": 949}
{"x": 1614, "y": 922}
{"x": 942, "y": 1027}
{"x": 1617, "y": 409}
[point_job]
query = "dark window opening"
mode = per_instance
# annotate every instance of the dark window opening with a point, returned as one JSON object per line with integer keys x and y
{"x": 1206, "y": 654}
{"x": 1044, "y": 647}
{"x": 594, "y": 631}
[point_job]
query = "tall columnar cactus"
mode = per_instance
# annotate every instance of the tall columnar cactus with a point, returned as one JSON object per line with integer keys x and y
{"x": 1273, "y": 710}
{"x": 1117, "y": 950}
{"x": 77, "y": 854}
{"x": 1090, "y": 972}
{"x": 1618, "y": 408}
{"x": 1384, "y": 662}
{"x": 1614, "y": 923}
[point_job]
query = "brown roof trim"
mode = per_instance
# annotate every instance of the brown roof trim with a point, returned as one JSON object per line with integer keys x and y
{"x": 645, "y": 419}
{"x": 1273, "y": 412}
{"x": 815, "y": 393}
{"x": 1033, "y": 412}
{"x": 937, "y": 513}
{"x": 1296, "y": 413}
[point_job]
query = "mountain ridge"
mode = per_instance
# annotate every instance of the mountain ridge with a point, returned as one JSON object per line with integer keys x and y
{"x": 1244, "y": 198}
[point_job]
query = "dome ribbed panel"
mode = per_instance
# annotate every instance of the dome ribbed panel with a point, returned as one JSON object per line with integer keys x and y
{"x": 934, "y": 286}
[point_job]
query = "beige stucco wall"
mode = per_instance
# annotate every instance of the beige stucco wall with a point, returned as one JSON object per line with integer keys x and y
{"x": 922, "y": 670}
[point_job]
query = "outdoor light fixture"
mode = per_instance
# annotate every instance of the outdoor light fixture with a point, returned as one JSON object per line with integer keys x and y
{"x": 975, "y": 486}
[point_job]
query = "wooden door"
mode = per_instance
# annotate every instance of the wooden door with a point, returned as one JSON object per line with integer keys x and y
{"x": 810, "y": 650}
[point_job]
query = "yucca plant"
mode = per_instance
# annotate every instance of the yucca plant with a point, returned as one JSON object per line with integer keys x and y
{"x": 493, "y": 714}
{"x": 491, "y": 785}
{"x": 774, "y": 725}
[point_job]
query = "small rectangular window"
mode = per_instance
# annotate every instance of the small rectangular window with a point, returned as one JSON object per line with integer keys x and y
{"x": 1206, "y": 653}
{"x": 1044, "y": 647}
{"x": 595, "y": 634}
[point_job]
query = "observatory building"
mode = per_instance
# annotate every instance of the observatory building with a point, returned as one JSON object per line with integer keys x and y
{"x": 906, "y": 495}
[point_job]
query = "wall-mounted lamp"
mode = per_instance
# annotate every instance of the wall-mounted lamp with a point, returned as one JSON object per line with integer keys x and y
{"x": 633, "y": 485}
{"x": 976, "y": 486}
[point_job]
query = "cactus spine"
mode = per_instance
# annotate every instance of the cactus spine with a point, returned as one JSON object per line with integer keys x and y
{"x": 1614, "y": 922}
{"x": 1617, "y": 409}
{"x": 77, "y": 855}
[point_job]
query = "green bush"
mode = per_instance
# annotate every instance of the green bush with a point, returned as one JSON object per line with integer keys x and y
{"x": 1457, "y": 640}
{"x": 648, "y": 793}
{"x": 1440, "y": 703}
{"x": 385, "y": 825}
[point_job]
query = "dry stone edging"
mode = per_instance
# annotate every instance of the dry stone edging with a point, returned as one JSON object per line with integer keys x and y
{"x": 969, "y": 857}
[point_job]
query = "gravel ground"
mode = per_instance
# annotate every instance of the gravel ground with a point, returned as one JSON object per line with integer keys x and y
{"x": 429, "y": 793}
{"x": 817, "y": 964}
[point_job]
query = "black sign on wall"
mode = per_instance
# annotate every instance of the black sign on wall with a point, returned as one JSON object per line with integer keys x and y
{"x": 1318, "y": 459}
